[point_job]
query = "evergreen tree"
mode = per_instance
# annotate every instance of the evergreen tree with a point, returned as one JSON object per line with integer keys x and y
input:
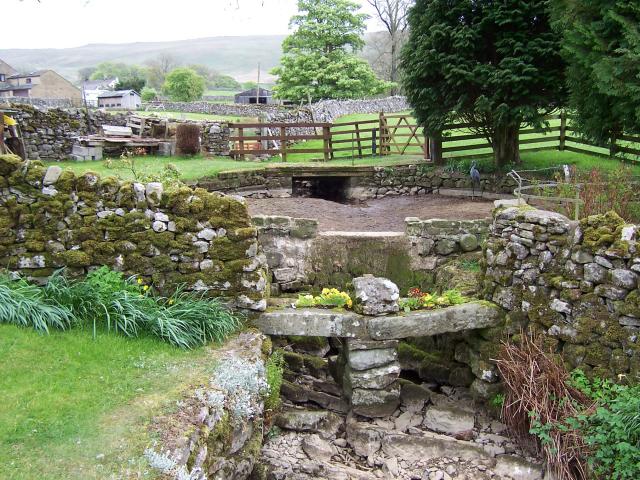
{"x": 495, "y": 64}
{"x": 601, "y": 45}
{"x": 318, "y": 58}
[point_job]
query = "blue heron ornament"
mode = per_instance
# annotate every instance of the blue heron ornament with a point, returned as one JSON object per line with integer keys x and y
{"x": 474, "y": 173}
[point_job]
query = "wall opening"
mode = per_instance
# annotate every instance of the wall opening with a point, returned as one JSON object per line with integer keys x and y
{"x": 334, "y": 189}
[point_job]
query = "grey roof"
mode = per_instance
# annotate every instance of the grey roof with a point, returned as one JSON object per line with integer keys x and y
{"x": 252, "y": 93}
{"x": 117, "y": 93}
{"x": 37, "y": 73}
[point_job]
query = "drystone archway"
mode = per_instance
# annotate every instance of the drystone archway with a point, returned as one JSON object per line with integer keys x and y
{"x": 370, "y": 339}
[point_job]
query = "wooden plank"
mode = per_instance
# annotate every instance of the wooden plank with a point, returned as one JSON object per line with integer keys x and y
{"x": 257, "y": 151}
{"x": 359, "y": 122}
{"x": 359, "y": 142}
{"x": 276, "y": 137}
{"x": 630, "y": 138}
{"x": 632, "y": 151}
{"x": 553, "y": 138}
{"x": 460, "y": 148}
{"x": 279, "y": 125}
{"x": 588, "y": 152}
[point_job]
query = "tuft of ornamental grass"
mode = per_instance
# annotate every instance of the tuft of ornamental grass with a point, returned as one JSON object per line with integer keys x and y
{"x": 24, "y": 304}
{"x": 106, "y": 300}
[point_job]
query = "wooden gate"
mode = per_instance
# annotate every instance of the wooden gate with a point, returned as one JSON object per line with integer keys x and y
{"x": 399, "y": 134}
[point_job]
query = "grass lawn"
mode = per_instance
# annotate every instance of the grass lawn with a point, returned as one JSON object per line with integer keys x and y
{"x": 73, "y": 407}
{"x": 222, "y": 93}
{"x": 189, "y": 116}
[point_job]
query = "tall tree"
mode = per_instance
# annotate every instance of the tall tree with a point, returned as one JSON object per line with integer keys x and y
{"x": 184, "y": 85}
{"x": 601, "y": 45}
{"x": 393, "y": 14}
{"x": 494, "y": 64}
{"x": 159, "y": 67}
{"x": 318, "y": 57}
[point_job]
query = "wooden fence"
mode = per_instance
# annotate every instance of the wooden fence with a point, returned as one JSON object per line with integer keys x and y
{"x": 400, "y": 135}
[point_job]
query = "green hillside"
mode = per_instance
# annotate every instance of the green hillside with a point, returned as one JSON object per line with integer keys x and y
{"x": 235, "y": 56}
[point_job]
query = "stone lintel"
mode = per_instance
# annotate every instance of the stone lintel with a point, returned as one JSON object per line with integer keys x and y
{"x": 466, "y": 316}
{"x": 312, "y": 322}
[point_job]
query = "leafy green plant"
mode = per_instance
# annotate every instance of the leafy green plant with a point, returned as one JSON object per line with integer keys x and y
{"x": 274, "y": 371}
{"x": 24, "y": 304}
{"x": 470, "y": 265}
{"x": 108, "y": 301}
{"x": 497, "y": 400}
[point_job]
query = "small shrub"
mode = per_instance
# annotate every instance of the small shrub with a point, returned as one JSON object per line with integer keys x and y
{"x": 188, "y": 139}
{"x": 421, "y": 300}
{"x": 274, "y": 370}
{"x": 148, "y": 94}
{"x": 328, "y": 298}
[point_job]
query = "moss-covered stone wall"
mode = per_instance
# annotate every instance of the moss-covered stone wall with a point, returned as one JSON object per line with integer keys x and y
{"x": 575, "y": 282}
{"x": 51, "y": 219}
{"x": 49, "y": 133}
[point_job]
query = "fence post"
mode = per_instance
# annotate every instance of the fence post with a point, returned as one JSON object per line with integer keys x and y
{"x": 382, "y": 129}
{"x": 359, "y": 142}
{"x": 563, "y": 130}
{"x": 426, "y": 149}
{"x": 374, "y": 141}
{"x": 612, "y": 146}
{"x": 241, "y": 142}
{"x": 436, "y": 148}
{"x": 326, "y": 141}
{"x": 283, "y": 143}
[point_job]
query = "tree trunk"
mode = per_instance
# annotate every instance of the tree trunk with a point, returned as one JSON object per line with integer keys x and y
{"x": 393, "y": 74}
{"x": 506, "y": 145}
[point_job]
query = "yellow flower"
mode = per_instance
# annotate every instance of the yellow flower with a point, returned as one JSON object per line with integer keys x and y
{"x": 145, "y": 288}
{"x": 171, "y": 301}
{"x": 139, "y": 281}
{"x": 325, "y": 291}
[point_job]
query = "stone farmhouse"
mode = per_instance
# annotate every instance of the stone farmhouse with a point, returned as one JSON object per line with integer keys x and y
{"x": 38, "y": 84}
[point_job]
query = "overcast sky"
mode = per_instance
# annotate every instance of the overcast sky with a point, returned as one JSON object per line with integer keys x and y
{"x": 71, "y": 23}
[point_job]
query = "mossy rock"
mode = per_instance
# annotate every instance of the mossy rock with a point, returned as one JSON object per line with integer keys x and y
{"x": 9, "y": 164}
{"x": 75, "y": 258}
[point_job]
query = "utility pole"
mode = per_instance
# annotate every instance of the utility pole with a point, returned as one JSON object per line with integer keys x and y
{"x": 258, "y": 86}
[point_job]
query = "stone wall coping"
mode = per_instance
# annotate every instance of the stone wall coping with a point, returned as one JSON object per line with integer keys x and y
{"x": 317, "y": 322}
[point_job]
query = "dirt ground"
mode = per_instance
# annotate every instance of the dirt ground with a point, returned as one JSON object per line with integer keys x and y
{"x": 381, "y": 215}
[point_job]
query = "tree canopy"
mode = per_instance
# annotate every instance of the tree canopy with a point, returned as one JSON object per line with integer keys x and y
{"x": 494, "y": 64}
{"x": 184, "y": 85}
{"x": 318, "y": 57}
{"x": 601, "y": 45}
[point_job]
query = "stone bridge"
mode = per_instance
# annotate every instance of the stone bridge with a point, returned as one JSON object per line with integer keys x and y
{"x": 369, "y": 359}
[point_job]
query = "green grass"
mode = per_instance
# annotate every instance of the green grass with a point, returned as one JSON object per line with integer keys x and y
{"x": 189, "y": 116}
{"x": 221, "y": 93}
{"x": 73, "y": 407}
{"x": 193, "y": 168}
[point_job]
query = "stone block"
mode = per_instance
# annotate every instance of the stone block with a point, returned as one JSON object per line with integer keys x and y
{"x": 376, "y": 296}
{"x": 366, "y": 359}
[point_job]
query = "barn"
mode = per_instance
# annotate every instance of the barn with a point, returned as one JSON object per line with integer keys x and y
{"x": 119, "y": 99}
{"x": 255, "y": 95}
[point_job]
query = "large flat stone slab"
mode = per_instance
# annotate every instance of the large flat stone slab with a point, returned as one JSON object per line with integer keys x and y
{"x": 466, "y": 316}
{"x": 312, "y": 322}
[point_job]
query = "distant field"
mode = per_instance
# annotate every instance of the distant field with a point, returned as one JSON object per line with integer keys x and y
{"x": 221, "y": 93}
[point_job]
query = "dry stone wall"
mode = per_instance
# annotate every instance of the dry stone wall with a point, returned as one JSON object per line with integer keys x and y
{"x": 299, "y": 257}
{"x": 51, "y": 219}
{"x": 210, "y": 108}
{"x": 49, "y": 133}
{"x": 576, "y": 282}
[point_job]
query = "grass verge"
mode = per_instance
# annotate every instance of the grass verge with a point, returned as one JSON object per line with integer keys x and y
{"x": 74, "y": 407}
